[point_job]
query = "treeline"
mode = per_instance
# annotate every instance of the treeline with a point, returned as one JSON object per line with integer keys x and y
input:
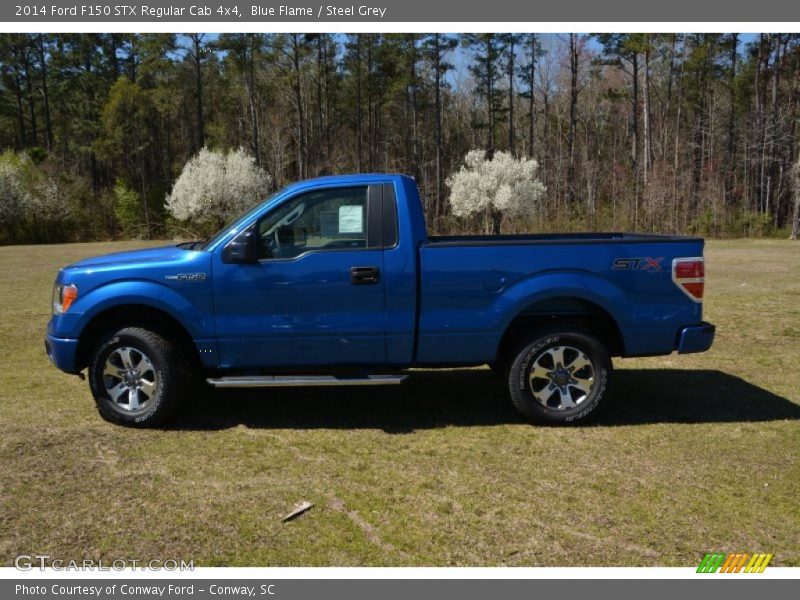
{"x": 655, "y": 132}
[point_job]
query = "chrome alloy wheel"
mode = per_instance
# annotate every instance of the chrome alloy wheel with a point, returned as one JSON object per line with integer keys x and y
{"x": 561, "y": 377}
{"x": 130, "y": 379}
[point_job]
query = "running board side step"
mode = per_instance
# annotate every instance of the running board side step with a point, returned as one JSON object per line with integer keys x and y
{"x": 259, "y": 381}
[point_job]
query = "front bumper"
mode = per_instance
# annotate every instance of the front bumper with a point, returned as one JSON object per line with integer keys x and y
{"x": 697, "y": 338}
{"x": 63, "y": 353}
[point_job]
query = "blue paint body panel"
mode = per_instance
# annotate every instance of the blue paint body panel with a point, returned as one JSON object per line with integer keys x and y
{"x": 439, "y": 301}
{"x": 697, "y": 338}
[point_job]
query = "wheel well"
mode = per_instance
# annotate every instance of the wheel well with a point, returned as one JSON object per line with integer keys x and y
{"x": 133, "y": 315}
{"x": 570, "y": 311}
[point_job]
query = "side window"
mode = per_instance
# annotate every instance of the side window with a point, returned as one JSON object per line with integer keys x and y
{"x": 330, "y": 219}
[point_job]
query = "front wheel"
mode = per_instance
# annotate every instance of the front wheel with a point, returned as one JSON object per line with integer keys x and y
{"x": 559, "y": 376}
{"x": 137, "y": 377}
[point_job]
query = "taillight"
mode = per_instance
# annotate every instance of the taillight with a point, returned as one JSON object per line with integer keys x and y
{"x": 689, "y": 275}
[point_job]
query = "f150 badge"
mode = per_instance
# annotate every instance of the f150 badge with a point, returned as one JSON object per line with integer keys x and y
{"x": 647, "y": 263}
{"x": 186, "y": 277}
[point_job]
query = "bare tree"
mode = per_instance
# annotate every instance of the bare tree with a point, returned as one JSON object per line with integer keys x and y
{"x": 733, "y": 43}
{"x": 573, "y": 113}
{"x": 528, "y": 75}
{"x": 436, "y": 46}
{"x": 511, "y": 41}
{"x": 45, "y": 92}
{"x": 194, "y": 52}
{"x": 795, "y": 174}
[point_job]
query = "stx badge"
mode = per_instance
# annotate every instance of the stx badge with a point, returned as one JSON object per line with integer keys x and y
{"x": 647, "y": 263}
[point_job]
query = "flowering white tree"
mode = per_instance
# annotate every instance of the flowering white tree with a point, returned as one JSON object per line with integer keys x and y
{"x": 14, "y": 198}
{"x": 33, "y": 205}
{"x": 217, "y": 186}
{"x": 497, "y": 185}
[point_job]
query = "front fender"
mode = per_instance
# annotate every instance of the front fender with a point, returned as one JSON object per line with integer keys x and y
{"x": 197, "y": 322}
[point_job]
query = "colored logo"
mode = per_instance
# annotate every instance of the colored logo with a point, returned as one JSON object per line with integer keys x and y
{"x": 648, "y": 263}
{"x": 734, "y": 563}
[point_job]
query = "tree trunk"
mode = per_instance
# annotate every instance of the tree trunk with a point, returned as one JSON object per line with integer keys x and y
{"x": 320, "y": 156}
{"x": 437, "y": 70}
{"x": 775, "y": 150}
{"x": 762, "y": 63}
{"x": 771, "y": 159}
{"x": 532, "y": 99}
{"x": 545, "y": 155}
{"x": 412, "y": 76}
{"x": 490, "y": 95}
{"x": 512, "y": 143}
{"x": 48, "y": 124}
{"x": 666, "y": 106}
{"x": 198, "y": 90}
{"x": 298, "y": 98}
{"x": 636, "y": 140}
{"x": 22, "y": 135}
{"x": 358, "y": 103}
{"x": 573, "y": 114}
{"x": 496, "y": 220}
{"x": 251, "y": 95}
{"x": 795, "y": 177}
{"x": 731, "y": 145}
{"x": 34, "y": 139}
{"x": 646, "y": 118}
{"x": 370, "y": 114}
{"x": 327, "y": 117}
{"x": 676, "y": 155}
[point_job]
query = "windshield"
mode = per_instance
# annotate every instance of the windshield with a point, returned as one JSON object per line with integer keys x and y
{"x": 235, "y": 224}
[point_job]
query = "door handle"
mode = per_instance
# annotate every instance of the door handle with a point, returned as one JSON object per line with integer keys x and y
{"x": 364, "y": 275}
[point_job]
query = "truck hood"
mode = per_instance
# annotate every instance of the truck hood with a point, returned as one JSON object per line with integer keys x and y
{"x": 164, "y": 265}
{"x": 162, "y": 254}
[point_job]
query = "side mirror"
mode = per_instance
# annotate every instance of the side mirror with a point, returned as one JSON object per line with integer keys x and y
{"x": 242, "y": 248}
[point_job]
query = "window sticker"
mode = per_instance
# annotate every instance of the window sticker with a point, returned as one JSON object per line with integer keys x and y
{"x": 351, "y": 219}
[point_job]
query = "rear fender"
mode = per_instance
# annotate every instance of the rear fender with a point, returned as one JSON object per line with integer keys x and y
{"x": 579, "y": 285}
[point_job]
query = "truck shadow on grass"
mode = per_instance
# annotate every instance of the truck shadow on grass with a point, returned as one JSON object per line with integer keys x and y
{"x": 471, "y": 397}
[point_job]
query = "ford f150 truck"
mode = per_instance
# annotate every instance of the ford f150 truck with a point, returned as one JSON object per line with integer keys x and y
{"x": 334, "y": 281}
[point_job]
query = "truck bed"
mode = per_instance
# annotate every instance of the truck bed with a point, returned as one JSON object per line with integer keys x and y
{"x": 471, "y": 286}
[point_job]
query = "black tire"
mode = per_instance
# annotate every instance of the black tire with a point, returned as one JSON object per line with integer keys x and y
{"x": 164, "y": 372}
{"x": 555, "y": 399}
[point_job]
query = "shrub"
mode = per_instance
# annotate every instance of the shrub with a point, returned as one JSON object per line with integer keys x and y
{"x": 128, "y": 209}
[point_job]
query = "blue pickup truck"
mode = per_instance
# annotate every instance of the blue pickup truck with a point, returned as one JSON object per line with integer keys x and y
{"x": 334, "y": 281}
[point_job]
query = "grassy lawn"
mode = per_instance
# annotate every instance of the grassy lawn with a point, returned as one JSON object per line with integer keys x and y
{"x": 690, "y": 453}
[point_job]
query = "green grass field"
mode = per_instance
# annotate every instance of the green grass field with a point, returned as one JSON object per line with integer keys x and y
{"x": 690, "y": 453}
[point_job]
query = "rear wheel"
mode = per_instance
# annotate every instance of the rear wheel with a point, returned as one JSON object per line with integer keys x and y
{"x": 137, "y": 377}
{"x": 559, "y": 376}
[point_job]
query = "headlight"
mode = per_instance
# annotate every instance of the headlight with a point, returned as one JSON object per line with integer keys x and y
{"x": 63, "y": 297}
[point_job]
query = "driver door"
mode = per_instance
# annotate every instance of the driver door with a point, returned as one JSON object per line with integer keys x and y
{"x": 315, "y": 297}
